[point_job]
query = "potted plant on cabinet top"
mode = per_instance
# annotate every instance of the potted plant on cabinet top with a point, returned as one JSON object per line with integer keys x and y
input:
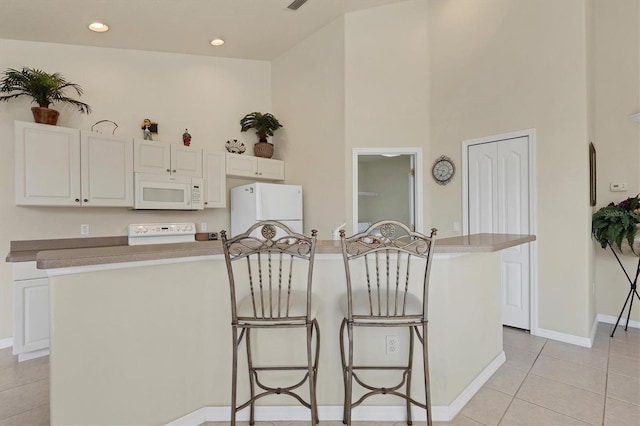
{"x": 265, "y": 125}
{"x": 44, "y": 88}
{"x": 618, "y": 225}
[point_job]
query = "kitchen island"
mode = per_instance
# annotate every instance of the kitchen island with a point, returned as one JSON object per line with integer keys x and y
{"x": 141, "y": 334}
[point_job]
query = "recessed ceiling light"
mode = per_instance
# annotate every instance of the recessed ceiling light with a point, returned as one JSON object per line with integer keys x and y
{"x": 217, "y": 42}
{"x": 98, "y": 27}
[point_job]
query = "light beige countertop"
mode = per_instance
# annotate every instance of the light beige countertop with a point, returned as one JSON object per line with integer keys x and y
{"x": 74, "y": 252}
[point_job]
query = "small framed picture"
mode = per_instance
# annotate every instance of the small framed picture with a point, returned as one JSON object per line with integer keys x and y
{"x": 592, "y": 174}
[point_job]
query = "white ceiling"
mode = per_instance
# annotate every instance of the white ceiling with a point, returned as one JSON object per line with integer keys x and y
{"x": 253, "y": 29}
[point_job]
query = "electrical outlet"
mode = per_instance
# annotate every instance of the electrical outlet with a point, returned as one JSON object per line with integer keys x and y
{"x": 456, "y": 226}
{"x": 203, "y": 227}
{"x": 84, "y": 229}
{"x": 392, "y": 343}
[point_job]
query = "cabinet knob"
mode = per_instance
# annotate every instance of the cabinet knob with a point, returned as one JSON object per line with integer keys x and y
{"x": 206, "y": 202}
{"x": 173, "y": 171}
{"x": 85, "y": 200}
{"x": 77, "y": 200}
{"x": 169, "y": 170}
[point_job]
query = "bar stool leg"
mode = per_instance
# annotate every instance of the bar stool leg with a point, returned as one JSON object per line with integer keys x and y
{"x": 344, "y": 371}
{"x": 349, "y": 375}
{"x": 234, "y": 374}
{"x": 252, "y": 391}
{"x": 409, "y": 373}
{"x": 310, "y": 370}
{"x": 315, "y": 368}
{"x": 425, "y": 357}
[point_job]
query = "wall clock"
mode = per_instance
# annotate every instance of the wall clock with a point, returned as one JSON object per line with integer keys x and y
{"x": 443, "y": 170}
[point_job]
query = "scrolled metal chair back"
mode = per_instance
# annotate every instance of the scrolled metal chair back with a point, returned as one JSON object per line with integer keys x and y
{"x": 269, "y": 265}
{"x": 379, "y": 263}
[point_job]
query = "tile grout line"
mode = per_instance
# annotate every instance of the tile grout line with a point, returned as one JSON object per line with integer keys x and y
{"x": 523, "y": 380}
{"x": 24, "y": 412}
{"x": 28, "y": 409}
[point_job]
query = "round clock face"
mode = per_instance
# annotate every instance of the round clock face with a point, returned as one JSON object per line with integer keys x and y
{"x": 443, "y": 170}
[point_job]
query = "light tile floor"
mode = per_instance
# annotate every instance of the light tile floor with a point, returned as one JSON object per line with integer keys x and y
{"x": 543, "y": 382}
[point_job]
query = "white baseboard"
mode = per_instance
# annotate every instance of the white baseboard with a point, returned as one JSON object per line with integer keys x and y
{"x": 26, "y": 356}
{"x": 587, "y": 342}
{"x": 334, "y": 412}
{"x": 610, "y": 319}
{"x": 6, "y": 343}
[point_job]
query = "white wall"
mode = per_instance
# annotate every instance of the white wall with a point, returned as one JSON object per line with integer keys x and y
{"x": 386, "y": 84}
{"x": 308, "y": 98}
{"x": 502, "y": 66}
{"x": 206, "y": 95}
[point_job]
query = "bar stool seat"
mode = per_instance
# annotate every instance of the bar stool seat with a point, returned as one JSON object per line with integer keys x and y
{"x": 270, "y": 272}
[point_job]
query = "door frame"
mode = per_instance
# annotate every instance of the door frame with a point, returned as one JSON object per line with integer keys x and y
{"x": 416, "y": 152}
{"x": 533, "y": 208}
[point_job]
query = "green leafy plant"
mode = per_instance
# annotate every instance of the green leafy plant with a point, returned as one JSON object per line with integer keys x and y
{"x": 43, "y": 87}
{"x": 265, "y": 124}
{"x": 616, "y": 223}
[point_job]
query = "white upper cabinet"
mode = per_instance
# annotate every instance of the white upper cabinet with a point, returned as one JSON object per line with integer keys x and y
{"x": 215, "y": 179}
{"x": 106, "y": 170}
{"x": 58, "y": 166}
{"x": 166, "y": 158}
{"x": 254, "y": 167}
{"x": 47, "y": 166}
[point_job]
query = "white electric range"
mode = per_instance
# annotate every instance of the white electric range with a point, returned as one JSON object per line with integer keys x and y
{"x": 161, "y": 233}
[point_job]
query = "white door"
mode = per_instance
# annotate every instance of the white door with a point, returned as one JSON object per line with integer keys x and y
{"x": 498, "y": 185}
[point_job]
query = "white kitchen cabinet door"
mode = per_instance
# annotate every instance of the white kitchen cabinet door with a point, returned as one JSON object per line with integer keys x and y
{"x": 215, "y": 180}
{"x": 47, "y": 165}
{"x": 241, "y": 165}
{"x": 151, "y": 157}
{"x": 106, "y": 170}
{"x": 186, "y": 161}
{"x": 31, "y": 316}
{"x": 254, "y": 167}
{"x": 165, "y": 158}
{"x": 270, "y": 169}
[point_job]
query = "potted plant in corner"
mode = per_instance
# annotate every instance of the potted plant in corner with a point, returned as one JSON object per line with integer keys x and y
{"x": 618, "y": 225}
{"x": 44, "y": 88}
{"x": 265, "y": 125}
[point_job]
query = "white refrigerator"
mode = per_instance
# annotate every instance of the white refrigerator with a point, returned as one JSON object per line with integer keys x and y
{"x": 266, "y": 201}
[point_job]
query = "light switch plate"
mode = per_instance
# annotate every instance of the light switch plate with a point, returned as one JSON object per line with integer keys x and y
{"x": 618, "y": 187}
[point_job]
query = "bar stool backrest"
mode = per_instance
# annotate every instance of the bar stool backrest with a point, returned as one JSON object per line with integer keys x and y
{"x": 270, "y": 273}
{"x": 379, "y": 263}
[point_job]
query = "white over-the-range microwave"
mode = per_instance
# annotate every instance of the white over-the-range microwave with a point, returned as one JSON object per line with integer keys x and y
{"x": 160, "y": 192}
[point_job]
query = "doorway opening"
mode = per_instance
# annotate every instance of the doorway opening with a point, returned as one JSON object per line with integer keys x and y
{"x": 387, "y": 184}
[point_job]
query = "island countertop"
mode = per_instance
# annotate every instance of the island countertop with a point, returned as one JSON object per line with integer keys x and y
{"x": 74, "y": 252}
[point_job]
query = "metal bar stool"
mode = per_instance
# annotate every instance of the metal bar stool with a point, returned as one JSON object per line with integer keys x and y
{"x": 379, "y": 263}
{"x": 270, "y": 272}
